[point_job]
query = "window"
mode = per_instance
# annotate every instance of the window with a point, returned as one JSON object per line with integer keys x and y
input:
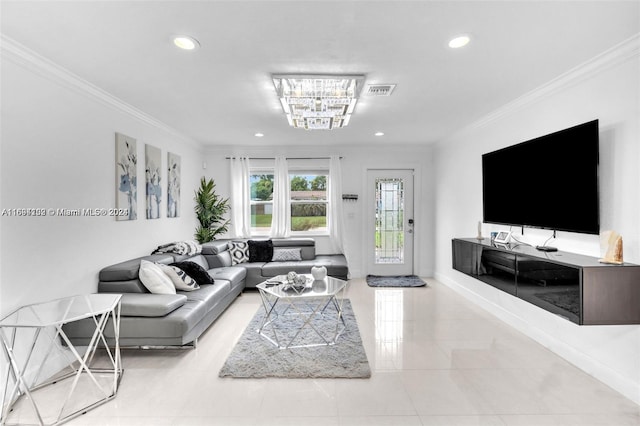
{"x": 261, "y": 201}
{"x": 308, "y": 200}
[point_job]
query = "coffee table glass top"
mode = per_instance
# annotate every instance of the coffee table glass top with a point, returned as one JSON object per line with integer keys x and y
{"x": 278, "y": 286}
{"x": 61, "y": 311}
{"x": 305, "y": 316}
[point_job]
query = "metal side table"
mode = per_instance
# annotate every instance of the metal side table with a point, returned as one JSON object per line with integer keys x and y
{"x": 33, "y": 335}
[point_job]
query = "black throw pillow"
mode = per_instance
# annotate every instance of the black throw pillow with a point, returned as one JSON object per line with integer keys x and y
{"x": 195, "y": 271}
{"x": 260, "y": 251}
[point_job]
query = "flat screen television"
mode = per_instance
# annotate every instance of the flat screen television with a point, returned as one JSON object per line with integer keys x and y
{"x": 549, "y": 182}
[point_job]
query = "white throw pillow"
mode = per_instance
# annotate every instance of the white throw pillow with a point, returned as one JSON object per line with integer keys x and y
{"x": 154, "y": 279}
{"x": 180, "y": 279}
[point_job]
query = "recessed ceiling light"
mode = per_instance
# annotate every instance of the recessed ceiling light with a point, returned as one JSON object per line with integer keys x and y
{"x": 379, "y": 134}
{"x": 459, "y": 41}
{"x": 259, "y": 135}
{"x": 186, "y": 42}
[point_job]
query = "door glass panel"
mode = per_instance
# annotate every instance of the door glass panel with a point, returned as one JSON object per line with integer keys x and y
{"x": 389, "y": 237}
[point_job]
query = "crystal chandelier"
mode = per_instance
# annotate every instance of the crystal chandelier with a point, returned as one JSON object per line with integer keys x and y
{"x": 314, "y": 102}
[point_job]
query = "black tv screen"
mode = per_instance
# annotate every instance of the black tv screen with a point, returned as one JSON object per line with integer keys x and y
{"x": 550, "y": 182}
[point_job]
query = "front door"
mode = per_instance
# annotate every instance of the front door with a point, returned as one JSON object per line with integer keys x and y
{"x": 390, "y": 223}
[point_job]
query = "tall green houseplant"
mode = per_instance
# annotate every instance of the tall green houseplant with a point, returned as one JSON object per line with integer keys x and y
{"x": 210, "y": 210}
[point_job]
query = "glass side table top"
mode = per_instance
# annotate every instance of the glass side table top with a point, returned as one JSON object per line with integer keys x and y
{"x": 328, "y": 286}
{"x": 61, "y": 311}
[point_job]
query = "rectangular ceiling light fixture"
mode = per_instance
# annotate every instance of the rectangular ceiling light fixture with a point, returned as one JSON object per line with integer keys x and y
{"x": 313, "y": 102}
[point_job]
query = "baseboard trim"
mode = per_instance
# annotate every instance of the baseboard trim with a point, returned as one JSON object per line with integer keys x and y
{"x": 603, "y": 373}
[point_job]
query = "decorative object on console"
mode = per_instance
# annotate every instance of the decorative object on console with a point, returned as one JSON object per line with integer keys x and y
{"x": 503, "y": 237}
{"x": 127, "y": 176}
{"x": 611, "y": 247}
{"x": 152, "y": 177}
{"x": 173, "y": 185}
{"x": 479, "y": 237}
{"x": 319, "y": 272}
{"x": 210, "y": 210}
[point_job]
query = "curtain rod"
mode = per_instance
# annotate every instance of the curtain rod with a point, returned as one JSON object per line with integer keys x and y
{"x": 287, "y": 158}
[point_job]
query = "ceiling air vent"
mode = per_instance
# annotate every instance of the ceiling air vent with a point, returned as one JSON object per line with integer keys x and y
{"x": 379, "y": 89}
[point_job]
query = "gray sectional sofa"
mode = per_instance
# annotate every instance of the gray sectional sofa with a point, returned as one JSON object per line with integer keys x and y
{"x": 218, "y": 255}
{"x": 179, "y": 319}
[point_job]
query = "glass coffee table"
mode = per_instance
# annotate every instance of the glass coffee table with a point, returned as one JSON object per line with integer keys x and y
{"x": 306, "y": 316}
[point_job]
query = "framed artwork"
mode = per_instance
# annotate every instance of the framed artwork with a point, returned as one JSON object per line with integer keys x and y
{"x": 153, "y": 176}
{"x": 173, "y": 185}
{"x": 126, "y": 176}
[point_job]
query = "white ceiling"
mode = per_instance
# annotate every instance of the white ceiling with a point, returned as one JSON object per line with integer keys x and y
{"x": 222, "y": 94}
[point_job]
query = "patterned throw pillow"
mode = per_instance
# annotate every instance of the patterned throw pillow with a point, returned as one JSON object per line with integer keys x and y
{"x": 180, "y": 279}
{"x": 239, "y": 252}
{"x": 286, "y": 254}
{"x": 195, "y": 271}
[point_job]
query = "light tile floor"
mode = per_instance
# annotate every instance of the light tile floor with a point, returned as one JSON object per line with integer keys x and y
{"x": 436, "y": 359}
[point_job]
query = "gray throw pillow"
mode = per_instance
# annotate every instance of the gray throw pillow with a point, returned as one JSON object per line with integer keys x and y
{"x": 286, "y": 254}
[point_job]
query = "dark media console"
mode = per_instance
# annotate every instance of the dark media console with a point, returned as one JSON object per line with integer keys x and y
{"x": 576, "y": 287}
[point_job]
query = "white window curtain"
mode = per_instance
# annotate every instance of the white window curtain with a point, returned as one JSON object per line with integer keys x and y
{"x": 281, "y": 211}
{"x": 240, "y": 197}
{"x": 336, "y": 224}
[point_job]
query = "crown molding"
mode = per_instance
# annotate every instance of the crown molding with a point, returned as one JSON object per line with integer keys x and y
{"x": 27, "y": 58}
{"x": 622, "y": 52}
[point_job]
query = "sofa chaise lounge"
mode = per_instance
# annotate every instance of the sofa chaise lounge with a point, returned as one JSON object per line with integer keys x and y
{"x": 179, "y": 319}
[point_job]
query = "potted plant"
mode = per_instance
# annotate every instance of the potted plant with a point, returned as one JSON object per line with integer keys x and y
{"x": 210, "y": 210}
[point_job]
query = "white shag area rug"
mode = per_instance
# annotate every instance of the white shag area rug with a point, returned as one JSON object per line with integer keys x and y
{"x": 255, "y": 357}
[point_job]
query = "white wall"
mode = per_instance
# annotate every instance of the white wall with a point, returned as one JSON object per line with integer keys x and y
{"x": 607, "y": 89}
{"x": 58, "y": 151}
{"x": 355, "y": 162}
